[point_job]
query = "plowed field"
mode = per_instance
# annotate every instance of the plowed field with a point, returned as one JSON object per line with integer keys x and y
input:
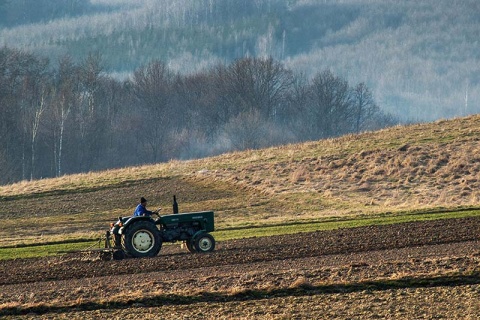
{"x": 403, "y": 271}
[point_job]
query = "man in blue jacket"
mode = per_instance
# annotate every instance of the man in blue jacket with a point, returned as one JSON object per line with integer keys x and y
{"x": 141, "y": 209}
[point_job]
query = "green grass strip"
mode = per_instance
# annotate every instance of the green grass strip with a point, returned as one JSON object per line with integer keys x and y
{"x": 292, "y": 228}
{"x": 259, "y": 231}
{"x": 43, "y": 250}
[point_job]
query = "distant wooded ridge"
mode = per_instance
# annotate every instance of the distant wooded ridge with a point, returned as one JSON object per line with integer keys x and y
{"x": 420, "y": 59}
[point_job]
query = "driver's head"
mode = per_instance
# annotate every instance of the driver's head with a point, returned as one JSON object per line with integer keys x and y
{"x": 143, "y": 201}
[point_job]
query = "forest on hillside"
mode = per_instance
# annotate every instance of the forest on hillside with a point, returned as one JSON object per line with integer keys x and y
{"x": 61, "y": 117}
{"x": 420, "y": 58}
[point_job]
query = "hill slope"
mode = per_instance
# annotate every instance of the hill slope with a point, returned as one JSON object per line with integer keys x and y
{"x": 417, "y": 167}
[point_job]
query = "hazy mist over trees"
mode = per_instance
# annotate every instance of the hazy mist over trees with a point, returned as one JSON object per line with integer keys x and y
{"x": 64, "y": 117}
{"x": 91, "y": 85}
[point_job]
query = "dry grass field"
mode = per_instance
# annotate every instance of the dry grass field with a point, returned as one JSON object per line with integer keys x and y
{"x": 416, "y": 270}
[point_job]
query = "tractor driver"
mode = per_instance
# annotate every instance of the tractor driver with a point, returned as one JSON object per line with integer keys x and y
{"x": 141, "y": 209}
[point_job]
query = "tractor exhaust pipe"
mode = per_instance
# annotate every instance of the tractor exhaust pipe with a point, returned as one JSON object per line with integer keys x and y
{"x": 175, "y": 205}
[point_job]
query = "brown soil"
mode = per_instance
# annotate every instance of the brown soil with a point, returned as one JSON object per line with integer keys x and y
{"x": 412, "y": 270}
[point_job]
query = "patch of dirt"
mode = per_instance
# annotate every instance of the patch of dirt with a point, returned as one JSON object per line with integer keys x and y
{"x": 411, "y": 270}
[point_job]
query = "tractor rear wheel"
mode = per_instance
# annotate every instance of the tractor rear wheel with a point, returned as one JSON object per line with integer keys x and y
{"x": 142, "y": 239}
{"x": 204, "y": 243}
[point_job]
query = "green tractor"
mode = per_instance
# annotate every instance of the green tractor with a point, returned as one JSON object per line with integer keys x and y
{"x": 143, "y": 236}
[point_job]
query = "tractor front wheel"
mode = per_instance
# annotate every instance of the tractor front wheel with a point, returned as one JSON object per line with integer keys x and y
{"x": 204, "y": 243}
{"x": 142, "y": 239}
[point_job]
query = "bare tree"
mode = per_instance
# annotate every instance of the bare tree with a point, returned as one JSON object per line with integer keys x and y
{"x": 90, "y": 118}
{"x": 294, "y": 113}
{"x": 257, "y": 84}
{"x": 114, "y": 100}
{"x": 11, "y": 132}
{"x": 364, "y": 106}
{"x": 330, "y": 104}
{"x": 38, "y": 110}
{"x": 198, "y": 97}
{"x": 35, "y": 89}
{"x": 247, "y": 131}
{"x": 91, "y": 70}
{"x": 67, "y": 94}
{"x": 152, "y": 87}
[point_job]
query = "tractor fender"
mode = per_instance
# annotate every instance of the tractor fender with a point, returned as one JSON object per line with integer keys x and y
{"x": 132, "y": 220}
{"x": 199, "y": 232}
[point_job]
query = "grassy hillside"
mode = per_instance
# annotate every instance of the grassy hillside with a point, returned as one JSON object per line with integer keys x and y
{"x": 421, "y": 168}
{"x": 421, "y": 58}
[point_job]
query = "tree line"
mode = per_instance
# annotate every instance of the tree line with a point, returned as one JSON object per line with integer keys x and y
{"x": 67, "y": 117}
